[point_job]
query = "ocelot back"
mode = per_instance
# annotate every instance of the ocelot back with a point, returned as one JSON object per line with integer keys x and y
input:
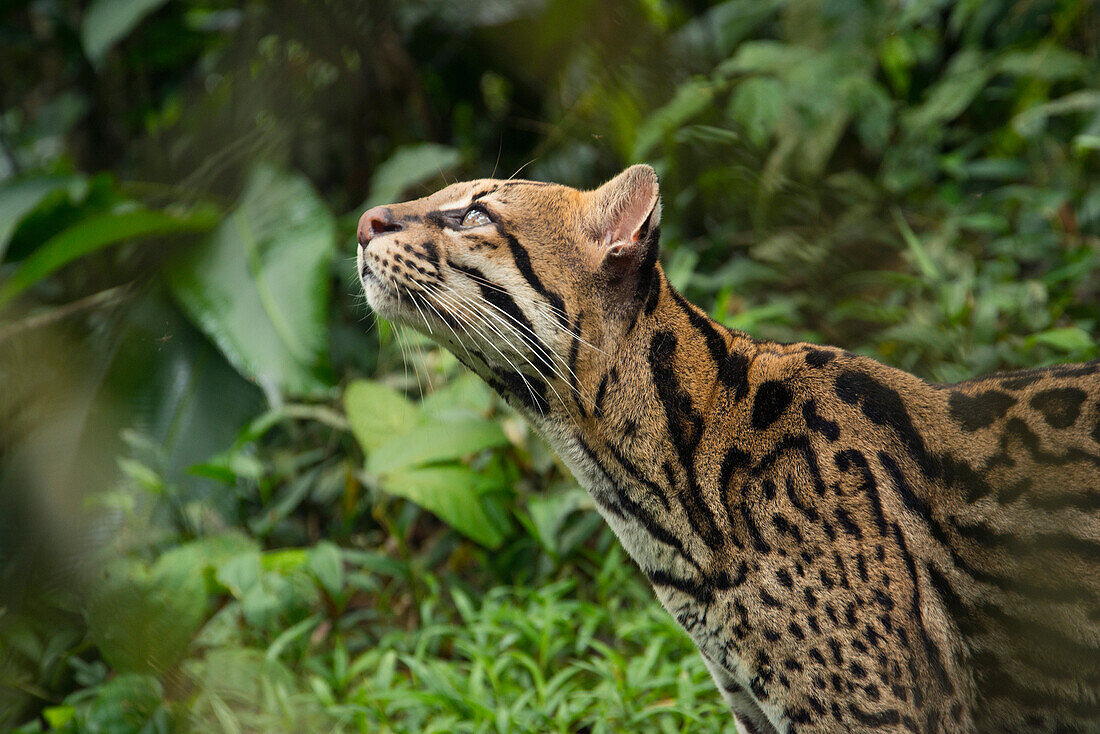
{"x": 850, "y": 547}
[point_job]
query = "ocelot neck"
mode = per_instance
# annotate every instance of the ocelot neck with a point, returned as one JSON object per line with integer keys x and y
{"x": 669, "y": 375}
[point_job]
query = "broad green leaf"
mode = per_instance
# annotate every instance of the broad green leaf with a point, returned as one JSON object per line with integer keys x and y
{"x": 327, "y": 566}
{"x": 407, "y": 166}
{"x": 436, "y": 442}
{"x": 966, "y": 76}
{"x": 377, "y": 413}
{"x": 466, "y": 396}
{"x": 1069, "y": 339}
{"x": 96, "y": 233}
{"x": 108, "y": 21}
{"x": 691, "y": 98}
{"x": 258, "y": 286}
{"x": 757, "y": 105}
{"x": 19, "y": 197}
{"x": 143, "y": 618}
{"x": 453, "y": 494}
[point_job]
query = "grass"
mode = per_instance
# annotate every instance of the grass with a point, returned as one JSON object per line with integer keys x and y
{"x": 366, "y": 651}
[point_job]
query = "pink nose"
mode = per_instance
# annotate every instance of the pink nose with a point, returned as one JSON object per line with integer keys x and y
{"x": 374, "y": 222}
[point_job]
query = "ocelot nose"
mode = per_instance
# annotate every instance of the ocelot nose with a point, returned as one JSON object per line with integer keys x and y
{"x": 374, "y": 222}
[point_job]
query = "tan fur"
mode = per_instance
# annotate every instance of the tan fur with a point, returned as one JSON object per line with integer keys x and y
{"x": 850, "y": 547}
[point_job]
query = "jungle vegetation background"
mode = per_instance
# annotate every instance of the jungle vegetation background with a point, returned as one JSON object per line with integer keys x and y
{"x": 234, "y": 501}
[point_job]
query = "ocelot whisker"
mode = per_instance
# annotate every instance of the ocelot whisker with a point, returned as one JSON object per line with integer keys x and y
{"x": 539, "y": 352}
{"x": 553, "y": 310}
{"x": 545, "y": 354}
{"x": 511, "y": 364}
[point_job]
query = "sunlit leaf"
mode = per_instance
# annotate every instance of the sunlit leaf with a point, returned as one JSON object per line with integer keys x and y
{"x": 465, "y": 396}
{"x": 408, "y": 166}
{"x": 258, "y": 286}
{"x": 1069, "y": 339}
{"x": 434, "y": 442}
{"x": 96, "y": 233}
{"x": 107, "y": 22}
{"x": 453, "y": 494}
{"x": 377, "y": 413}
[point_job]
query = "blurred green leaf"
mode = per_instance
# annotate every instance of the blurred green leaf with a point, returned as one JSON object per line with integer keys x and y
{"x": 757, "y": 105}
{"x": 377, "y": 413}
{"x": 258, "y": 286}
{"x": 465, "y": 396}
{"x": 406, "y": 167}
{"x": 1068, "y": 339}
{"x": 966, "y": 76}
{"x": 916, "y": 248}
{"x": 19, "y": 197}
{"x": 1031, "y": 122}
{"x": 106, "y": 22}
{"x": 691, "y": 98}
{"x": 1046, "y": 61}
{"x": 435, "y": 442}
{"x": 453, "y": 494}
{"x": 326, "y": 565}
{"x": 142, "y": 618}
{"x": 765, "y": 56}
{"x": 95, "y": 233}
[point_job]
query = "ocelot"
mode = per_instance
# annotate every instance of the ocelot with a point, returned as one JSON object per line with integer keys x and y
{"x": 850, "y": 547}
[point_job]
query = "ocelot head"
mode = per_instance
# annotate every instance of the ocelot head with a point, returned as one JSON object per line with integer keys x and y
{"x": 525, "y": 282}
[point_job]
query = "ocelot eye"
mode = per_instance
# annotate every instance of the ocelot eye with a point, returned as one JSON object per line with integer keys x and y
{"x": 475, "y": 218}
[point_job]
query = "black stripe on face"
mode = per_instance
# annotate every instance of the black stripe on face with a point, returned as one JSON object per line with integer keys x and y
{"x": 574, "y": 350}
{"x": 523, "y": 264}
{"x": 529, "y": 391}
{"x": 498, "y": 297}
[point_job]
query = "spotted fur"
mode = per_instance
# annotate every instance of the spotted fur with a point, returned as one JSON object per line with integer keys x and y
{"x": 852, "y": 549}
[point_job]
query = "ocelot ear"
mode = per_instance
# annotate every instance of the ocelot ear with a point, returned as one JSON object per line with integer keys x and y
{"x": 624, "y": 220}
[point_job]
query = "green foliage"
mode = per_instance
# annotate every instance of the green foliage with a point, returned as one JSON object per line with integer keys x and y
{"x": 413, "y": 451}
{"x": 295, "y": 518}
{"x": 259, "y": 286}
